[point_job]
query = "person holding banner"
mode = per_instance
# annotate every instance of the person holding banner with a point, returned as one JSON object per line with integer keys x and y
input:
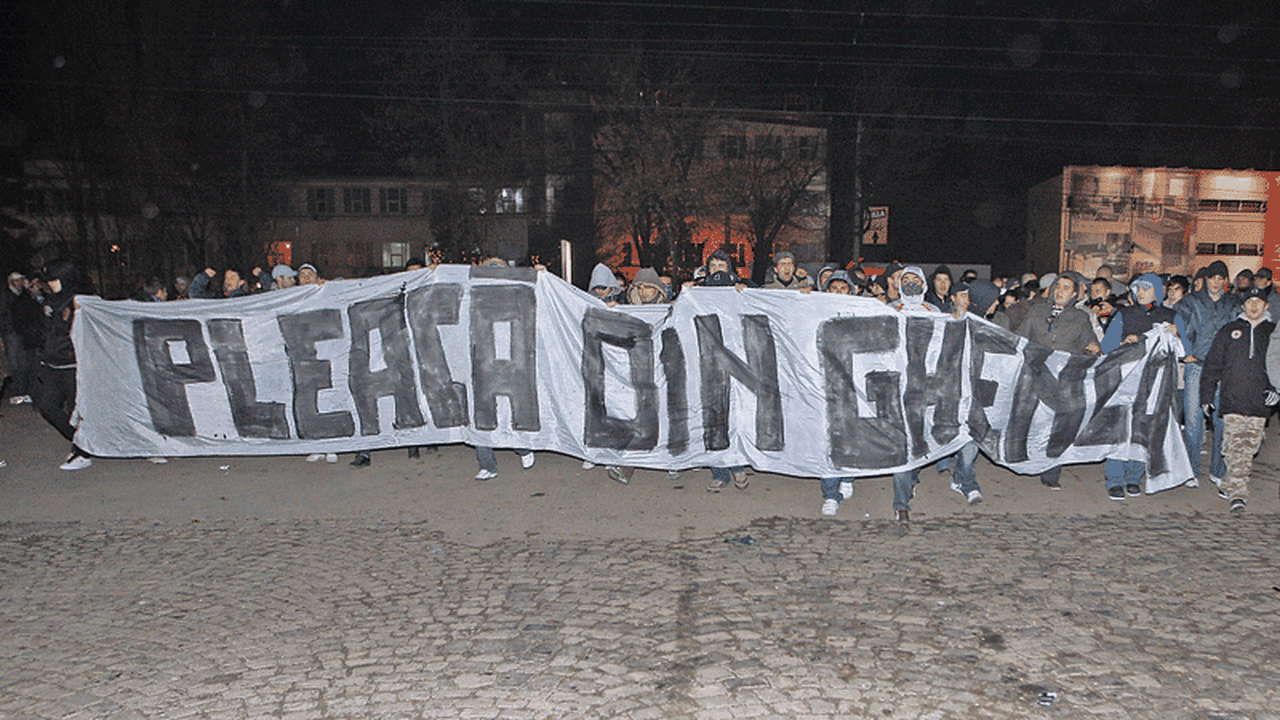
{"x": 484, "y": 455}
{"x": 786, "y": 276}
{"x": 720, "y": 276}
{"x": 964, "y": 477}
{"x": 604, "y": 285}
{"x": 1059, "y": 325}
{"x": 835, "y": 489}
{"x": 1131, "y": 323}
{"x": 646, "y": 289}
{"x": 911, "y": 289}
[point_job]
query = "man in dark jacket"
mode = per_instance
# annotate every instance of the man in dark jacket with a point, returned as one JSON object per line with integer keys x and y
{"x": 56, "y": 375}
{"x": 1239, "y": 353}
{"x": 20, "y": 323}
{"x": 1203, "y": 313}
{"x": 1130, "y": 325}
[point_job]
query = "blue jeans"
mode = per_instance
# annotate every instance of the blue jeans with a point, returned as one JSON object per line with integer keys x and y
{"x": 1125, "y": 472}
{"x": 723, "y": 474}
{"x": 1193, "y": 433}
{"x": 904, "y": 487}
{"x": 831, "y": 487}
{"x": 486, "y": 460}
{"x": 965, "y": 474}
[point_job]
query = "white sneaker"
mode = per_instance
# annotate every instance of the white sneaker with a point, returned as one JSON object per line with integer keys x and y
{"x": 526, "y": 461}
{"x": 846, "y": 489}
{"x": 829, "y": 507}
{"x": 76, "y": 462}
{"x": 974, "y": 497}
{"x": 331, "y": 457}
{"x": 1217, "y": 481}
{"x": 315, "y": 457}
{"x": 486, "y": 475}
{"x": 159, "y": 460}
{"x": 1192, "y": 483}
{"x": 20, "y": 399}
{"x": 955, "y": 486}
{"x": 587, "y": 464}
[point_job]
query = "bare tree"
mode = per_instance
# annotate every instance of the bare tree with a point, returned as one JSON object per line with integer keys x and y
{"x": 648, "y": 158}
{"x": 774, "y": 186}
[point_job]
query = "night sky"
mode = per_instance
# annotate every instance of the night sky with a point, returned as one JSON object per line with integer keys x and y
{"x": 964, "y": 105}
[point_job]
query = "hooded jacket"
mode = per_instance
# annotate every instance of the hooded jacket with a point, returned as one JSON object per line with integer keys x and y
{"x": 602, "y": 276}
{"x": 59, "y": 311}
{"x": 931, "y": 296}
{"x": 1238, "y": 354}
{"x": 913, "y": 301}
{"x": 1135, "y": 319}
{"x": 646, "y": 277}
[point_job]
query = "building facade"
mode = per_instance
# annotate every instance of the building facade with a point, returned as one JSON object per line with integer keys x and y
{"x": 1159, "y": 220}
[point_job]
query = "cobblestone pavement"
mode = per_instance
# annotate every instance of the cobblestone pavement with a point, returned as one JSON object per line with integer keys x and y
{"x": 976, "y": 616}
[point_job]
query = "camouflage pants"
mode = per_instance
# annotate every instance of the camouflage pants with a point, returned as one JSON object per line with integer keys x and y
{"x": 1241, "y": 440}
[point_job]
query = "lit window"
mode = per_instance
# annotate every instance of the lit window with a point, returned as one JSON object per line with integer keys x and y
{"x": 509, "y": 200}
{"x": 395, "y": 254}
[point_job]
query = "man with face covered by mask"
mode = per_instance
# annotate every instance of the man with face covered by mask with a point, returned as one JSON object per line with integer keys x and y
{"x": 911, "y": 290}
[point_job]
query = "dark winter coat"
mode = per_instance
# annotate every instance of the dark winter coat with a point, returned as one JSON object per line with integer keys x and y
{"x": 1237, "y": 361}
{"x": 1137, "y": 319}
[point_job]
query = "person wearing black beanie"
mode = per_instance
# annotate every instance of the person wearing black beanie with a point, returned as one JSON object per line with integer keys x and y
{"x": 1203, "y": 313}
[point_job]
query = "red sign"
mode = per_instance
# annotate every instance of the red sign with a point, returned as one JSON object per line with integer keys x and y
{"x": 1271, "y": 230}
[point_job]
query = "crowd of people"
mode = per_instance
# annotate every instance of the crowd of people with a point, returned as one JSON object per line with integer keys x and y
{"x": 1223, "y": 323}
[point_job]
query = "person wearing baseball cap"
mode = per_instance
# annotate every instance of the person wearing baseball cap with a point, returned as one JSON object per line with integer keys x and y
{"x": 1262, "y": 281}
{"x": 284, "y": 276}
{"x": 1238, "y": 353}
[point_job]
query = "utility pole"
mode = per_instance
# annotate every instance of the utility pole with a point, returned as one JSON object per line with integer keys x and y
{"x": 858, "y": 211}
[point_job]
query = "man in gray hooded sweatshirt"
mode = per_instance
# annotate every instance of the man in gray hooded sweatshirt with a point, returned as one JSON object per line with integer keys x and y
{"x": 911, "y": 289}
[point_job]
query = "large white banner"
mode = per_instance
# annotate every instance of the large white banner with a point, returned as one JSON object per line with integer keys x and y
{"x": 807, "y": 385}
